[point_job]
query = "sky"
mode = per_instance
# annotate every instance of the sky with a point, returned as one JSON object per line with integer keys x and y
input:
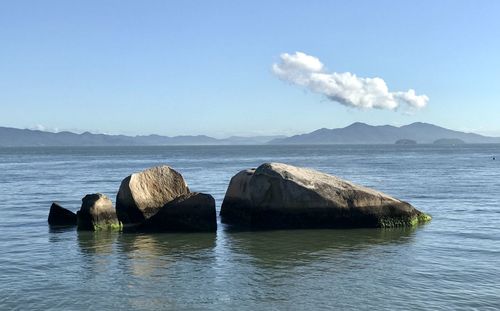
{"x": 225, "y": 68}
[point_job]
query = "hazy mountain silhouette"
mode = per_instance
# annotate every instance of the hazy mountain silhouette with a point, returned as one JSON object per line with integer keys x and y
{"x": 361, "y": 133}
{"x": 356, "y": 133}
{"x": 24, "y": 137}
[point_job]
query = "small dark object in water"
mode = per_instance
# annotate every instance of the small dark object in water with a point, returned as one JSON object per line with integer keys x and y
{"x": 59, "y": 216}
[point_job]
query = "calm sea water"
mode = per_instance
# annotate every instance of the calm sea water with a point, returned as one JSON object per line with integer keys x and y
{"x": 451, "y": 263}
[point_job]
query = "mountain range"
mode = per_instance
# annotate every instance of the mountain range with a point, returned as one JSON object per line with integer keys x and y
{"x": 25, "y": 137}
{"x": 356, "y": 133}
{"x": 361, "y": 133}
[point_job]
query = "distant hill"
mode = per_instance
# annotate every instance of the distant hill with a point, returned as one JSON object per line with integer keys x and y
{"x": 23, "y": 137}
{"x": 356, "y": 133}
{"x": 361, "y": 133}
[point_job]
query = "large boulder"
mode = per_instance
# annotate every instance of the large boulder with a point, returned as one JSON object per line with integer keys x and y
{"x": 277, "y": 195}
{"x": 97, "y": 213}
{"x": 142, "y": 194}
{"x": 59, "y": 216}
{"x": 189, "y": 212}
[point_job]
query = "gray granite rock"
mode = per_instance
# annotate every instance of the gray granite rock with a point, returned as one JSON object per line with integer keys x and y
{"x": 97, "y": 213}
{"x": 142, "y": 194}
{"x": 277, "y": 195}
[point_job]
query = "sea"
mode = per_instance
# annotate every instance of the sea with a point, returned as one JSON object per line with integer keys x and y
{"x": 451, "y": 263}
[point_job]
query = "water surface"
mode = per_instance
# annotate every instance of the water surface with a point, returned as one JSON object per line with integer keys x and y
{"x": 451, "y": 263}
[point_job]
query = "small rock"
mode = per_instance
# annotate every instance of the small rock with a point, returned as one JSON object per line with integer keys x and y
{"x": 59, "y": 216}
{"x": 97, "y": 213}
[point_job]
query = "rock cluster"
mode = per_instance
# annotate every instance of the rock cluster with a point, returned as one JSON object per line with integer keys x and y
{"x": 272, "y": 196}
{"x": 157, "y": 199}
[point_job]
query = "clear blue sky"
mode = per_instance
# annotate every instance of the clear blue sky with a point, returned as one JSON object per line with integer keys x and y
{"x": 204, "y": 67}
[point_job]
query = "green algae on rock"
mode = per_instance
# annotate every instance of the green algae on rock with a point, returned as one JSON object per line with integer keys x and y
{"x": 410, "y": 221}
{"x": 97, "y": 213}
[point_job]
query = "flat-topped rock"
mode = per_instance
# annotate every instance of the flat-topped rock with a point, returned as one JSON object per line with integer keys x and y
{"x": 59, "y": 216}
{"x": 277, "y": 195}
{"x": 142, "y": 194}
{"x": 190, "y": 212}
{"x": 97, "y": 213}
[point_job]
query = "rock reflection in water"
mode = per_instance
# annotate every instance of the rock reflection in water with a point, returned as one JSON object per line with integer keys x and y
{"x": 287, "y": 261}
{"x": 149, "y": 255}
{"x": 284, "y": 248}
{"x": 152, "y": 260}
{"x": 97, "y": 250}
{"x": 98, "y": 242}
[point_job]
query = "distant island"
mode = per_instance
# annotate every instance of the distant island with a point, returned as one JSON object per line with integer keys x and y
{"x": 405, "y": 142}
{"x": 449, "y": 141}
{"x": 356, "y": 133}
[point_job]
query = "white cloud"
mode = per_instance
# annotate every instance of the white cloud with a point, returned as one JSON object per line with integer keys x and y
{"x": 345, "y": 88}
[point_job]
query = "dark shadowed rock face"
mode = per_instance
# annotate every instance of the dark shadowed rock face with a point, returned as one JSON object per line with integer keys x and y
{"x": 59, "y": 216}
{"x": 188, "y": 212}
{"x": 277, "y": 195}
{"x": 142, "y": 194}
{"x": 97, "y": 213}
